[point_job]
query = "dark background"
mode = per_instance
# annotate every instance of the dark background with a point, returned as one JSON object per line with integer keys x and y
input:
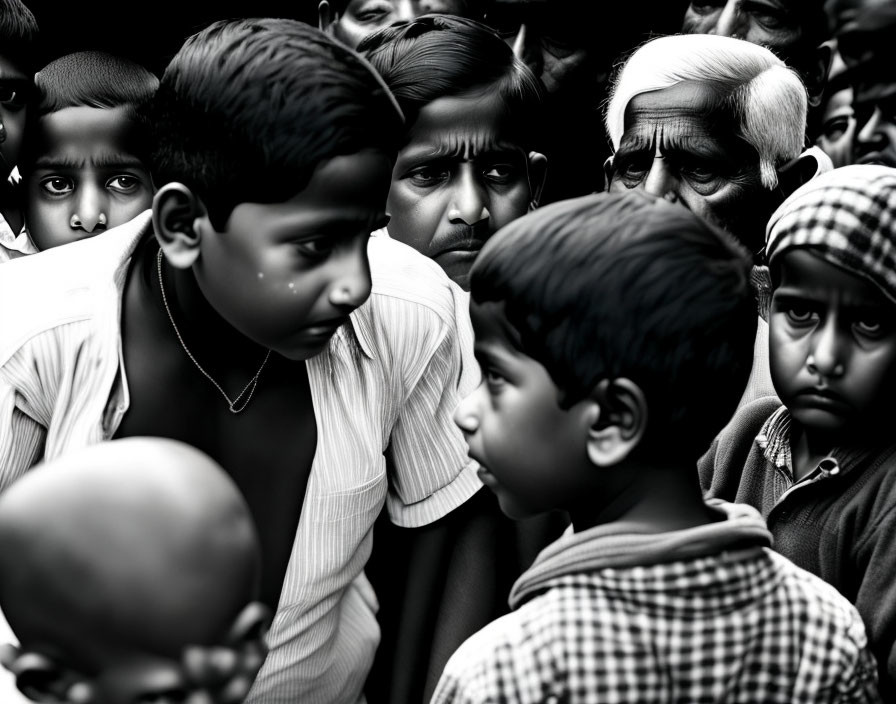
{"x": 151, "y": 32}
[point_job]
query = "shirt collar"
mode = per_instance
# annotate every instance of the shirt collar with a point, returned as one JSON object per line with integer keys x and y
{"x": 774, "y": 438}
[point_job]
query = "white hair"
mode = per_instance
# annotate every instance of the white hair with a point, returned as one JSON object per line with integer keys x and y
{"x": 768, "y": 98}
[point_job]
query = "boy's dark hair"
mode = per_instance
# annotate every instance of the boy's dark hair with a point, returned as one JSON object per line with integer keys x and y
{"x": 627, "y": 285}
{"x": 18, "y": 34}
{"x": 96, "y": 79}
{"x": 247, "y": 110}
{"x": 93, "y": 79}
{"x": 438, "y": 56}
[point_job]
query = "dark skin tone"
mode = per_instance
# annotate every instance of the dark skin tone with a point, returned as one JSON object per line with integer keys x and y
{"x": 169, "y": 397}
{"x": 279, "y": 276}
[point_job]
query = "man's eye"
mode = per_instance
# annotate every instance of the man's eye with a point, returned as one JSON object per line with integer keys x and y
{"x": 57, "y": 185}
{"x": 870, "y": 326}
{"x": 632, "y": 170}
{"x": 428, "y": 176}
{"x": 500, "y": 173}
{"x": 12, "y": 98}
{"x": 799, "y": 314}
{"x": 699, "y": 174}
{"x": 492, "y": 378}
{"x": 769, "y": 16}
{"x": 123, "y": 183}
{"x": 834, "y": 129}
{"x": 704, "y": 7}
{"x": 372, "y": 12}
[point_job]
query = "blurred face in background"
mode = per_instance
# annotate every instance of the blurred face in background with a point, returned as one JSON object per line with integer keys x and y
{"x": 554, "y": 41}
{"x": 363, "y": 17}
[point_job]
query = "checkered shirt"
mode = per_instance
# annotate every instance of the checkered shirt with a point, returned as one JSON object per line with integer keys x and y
{"x": 848, "y": 216}
{"x": 744, "y": 625}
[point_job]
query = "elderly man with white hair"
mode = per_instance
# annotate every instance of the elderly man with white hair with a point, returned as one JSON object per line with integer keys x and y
{"x": 710, "y": 121}
{"x": 717, "y": 124}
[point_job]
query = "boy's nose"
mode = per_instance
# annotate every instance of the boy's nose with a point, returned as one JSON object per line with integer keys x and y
{"x": 465, "y": 414}
{"x": 872, "y": 135}
{"x": 730, "y": 22}
{"x": 352, "y": 285}
{"x": 90, "y": 213}
{"x": 825, "y": 359}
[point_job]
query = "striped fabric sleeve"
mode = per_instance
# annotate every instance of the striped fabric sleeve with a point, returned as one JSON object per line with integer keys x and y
{"x": 432, "y": 474}
{"x": 21, "y": 437}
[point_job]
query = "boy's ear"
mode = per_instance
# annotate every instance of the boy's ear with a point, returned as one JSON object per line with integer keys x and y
{"x": 177, "y": 218}
{"x": 230, "y": 669}
{"x": 538, "y": 171}
{"x": 326, "y": 18}
{"x": 816, "y": 77}
{"x": 42, "y": 679}
{"x": 619, "y": 422}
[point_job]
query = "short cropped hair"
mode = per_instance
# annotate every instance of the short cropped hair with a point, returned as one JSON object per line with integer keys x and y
{"x": 247, "y": 110}
{"x": 96, "y": 79}
{"x": 626, "y": 285}
{"x": 767, "y": 97}
{"x": 19, "y": 33}
{"x": 438, "y": 56}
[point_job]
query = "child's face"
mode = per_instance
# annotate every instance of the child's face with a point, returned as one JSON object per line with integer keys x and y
{"x": 287, "y": 275}
{"x": 14, "y": 86}
{"x": 531, "y": 452}
{"x": 832, "y": 346}
{"x": 458, "y": 178}
{"x": 84, "y": 178}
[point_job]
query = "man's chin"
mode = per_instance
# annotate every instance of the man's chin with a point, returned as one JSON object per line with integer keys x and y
{"x": 457, "y": 265}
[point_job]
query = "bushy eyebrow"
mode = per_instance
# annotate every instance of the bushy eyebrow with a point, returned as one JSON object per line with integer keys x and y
{"x": 106, "y": 160}
{"x": 450, "y": 146}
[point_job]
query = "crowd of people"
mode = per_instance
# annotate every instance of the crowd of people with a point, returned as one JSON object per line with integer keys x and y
{"x": 451, "y": 351}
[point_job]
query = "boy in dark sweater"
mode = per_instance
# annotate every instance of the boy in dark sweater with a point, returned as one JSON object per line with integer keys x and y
{"x": 822, "y": 467}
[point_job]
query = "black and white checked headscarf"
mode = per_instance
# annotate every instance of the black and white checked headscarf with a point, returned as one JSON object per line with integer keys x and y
{"x": 848, "y": 217}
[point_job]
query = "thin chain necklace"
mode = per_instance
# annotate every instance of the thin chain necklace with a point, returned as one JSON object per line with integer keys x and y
{"x": 253, "y": 382}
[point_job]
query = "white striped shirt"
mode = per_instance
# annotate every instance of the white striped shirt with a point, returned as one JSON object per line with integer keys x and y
{"x": 390, "y": 378}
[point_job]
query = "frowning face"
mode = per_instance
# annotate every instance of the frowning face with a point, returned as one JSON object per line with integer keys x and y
{"x": 832, "y": 346}
{"x": 459, "y": 177}
{"x": 682, "y": 141}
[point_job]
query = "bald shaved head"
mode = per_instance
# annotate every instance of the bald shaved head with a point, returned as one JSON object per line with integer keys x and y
{"x": 136, "y": 543}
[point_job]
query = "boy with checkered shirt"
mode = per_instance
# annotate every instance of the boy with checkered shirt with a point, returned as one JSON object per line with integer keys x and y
{"x": 615, "y": 334}
{"x": 821, "y": 468}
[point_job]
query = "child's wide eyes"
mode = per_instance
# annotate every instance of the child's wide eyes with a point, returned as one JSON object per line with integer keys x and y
{"x": 57, "y": 185}
{"x": 123, "y": 183}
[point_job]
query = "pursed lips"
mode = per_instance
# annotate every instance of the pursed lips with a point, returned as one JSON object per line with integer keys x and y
{"x": 823, "y": 395}
{"x": 462, "y": 239}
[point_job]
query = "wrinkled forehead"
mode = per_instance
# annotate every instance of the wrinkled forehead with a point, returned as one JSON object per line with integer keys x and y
{"x": 689, "y": 112}
{"x": 700, "y": 101}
